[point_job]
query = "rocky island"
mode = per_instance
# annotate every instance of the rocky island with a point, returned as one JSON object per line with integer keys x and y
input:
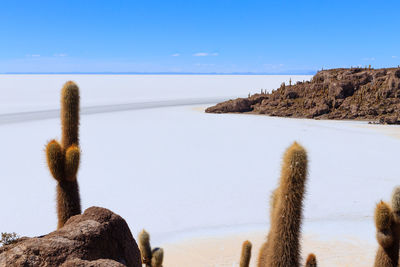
{"x": 340, "y": 94}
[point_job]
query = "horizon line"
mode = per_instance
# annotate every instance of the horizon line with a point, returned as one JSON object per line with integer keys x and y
{"x": 310, "y": 72}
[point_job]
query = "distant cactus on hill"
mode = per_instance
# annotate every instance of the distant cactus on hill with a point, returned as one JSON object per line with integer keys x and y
{"x": 63, "y": 159}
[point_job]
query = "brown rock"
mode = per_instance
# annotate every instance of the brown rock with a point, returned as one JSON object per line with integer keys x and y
{"x": 291, "y": 94}
{"x": 95, "y": 263}
{"x": 356, "y": 93}
{"x": 95, "y": 238}
{"x": 237, "y": 105}
{"x": 389, "y": 119}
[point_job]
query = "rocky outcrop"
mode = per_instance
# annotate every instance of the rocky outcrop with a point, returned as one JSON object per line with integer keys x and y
{"x": 356, "y": 93}
{"x": 238, "y": 105}
{"x": 96, "y": 238}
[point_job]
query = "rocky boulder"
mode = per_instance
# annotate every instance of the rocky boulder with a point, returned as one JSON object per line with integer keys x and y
{"x": 96, "y": 238}
{"x": 237, "y": 105}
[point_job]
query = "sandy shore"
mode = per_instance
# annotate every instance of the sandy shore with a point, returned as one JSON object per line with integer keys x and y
{"x": 389, "y": 130}
{"x": 225, "y": 251}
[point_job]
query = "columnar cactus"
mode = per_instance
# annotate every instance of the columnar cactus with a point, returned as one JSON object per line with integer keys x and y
{"x": 246, "y": 254}
{"x": 396, "y": 205}
{"x": 262, "y": 256}
{"x": 388, "y": 250}
{"x": 283, "y": 246}
{"x": 63, "y": 159}
{"x": 151, "y": 258}
{"x": 145, "y": 248}
{"x": 157, "y": 257}
{"x": 311, "y": 261}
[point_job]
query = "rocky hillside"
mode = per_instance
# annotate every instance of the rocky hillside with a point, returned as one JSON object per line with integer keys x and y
{"x": 356, "y": 93}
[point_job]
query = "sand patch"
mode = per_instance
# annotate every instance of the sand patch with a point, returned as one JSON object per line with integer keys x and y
{"x": 389, "y": 130}
{"x": 225, "y": 251}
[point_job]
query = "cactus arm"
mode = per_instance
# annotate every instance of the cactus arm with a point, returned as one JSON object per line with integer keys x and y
{"x": 55, "y": 159}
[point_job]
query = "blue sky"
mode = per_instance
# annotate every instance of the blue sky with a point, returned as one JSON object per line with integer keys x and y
{"x": 198, "y": 36}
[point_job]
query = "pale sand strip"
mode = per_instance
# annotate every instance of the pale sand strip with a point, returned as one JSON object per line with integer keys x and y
{"x": 390, "y": 130}
{"x": 225, "y": 251}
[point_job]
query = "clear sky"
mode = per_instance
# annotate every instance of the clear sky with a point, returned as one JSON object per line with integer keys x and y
{"x": 281, "y": 36}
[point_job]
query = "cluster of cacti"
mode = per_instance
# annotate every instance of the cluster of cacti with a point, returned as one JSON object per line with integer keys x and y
{"x": 282, "y": 247}
{"x": 150, "y": 257}
{"x": 63, "y": 159}
{"x": 387, "y": 222}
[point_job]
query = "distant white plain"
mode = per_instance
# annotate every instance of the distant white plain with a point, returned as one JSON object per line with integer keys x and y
{"x": 20, "y": 93}
{"x": 179, "y": 172}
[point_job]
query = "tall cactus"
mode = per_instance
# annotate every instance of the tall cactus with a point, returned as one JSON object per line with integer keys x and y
{"x": 283, "y": 246}
{"x": 246, "y": 254}
{"x": 63, "y": 159}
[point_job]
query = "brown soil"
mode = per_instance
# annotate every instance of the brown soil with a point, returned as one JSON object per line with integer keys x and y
{"x": 356, "y": 93}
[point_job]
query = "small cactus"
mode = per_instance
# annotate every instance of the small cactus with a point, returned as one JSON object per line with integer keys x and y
{"x": 157, "y": 257}
{"x": 63, "y": 159}
{"x": 246, "y": 254}
{"x": 388, "y": 250}
{"x": 311, "y": 261}
{"x": 151, "y": 258}
{"x": 145, "y": 248}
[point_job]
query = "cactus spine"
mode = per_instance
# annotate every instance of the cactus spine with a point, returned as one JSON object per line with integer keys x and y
{"x": 151, "y": 258}
{"x": 282, "y": 247}
{"x": 311, "y": 261}
{"x": 246, "y": 254}
{"x": 63, "y": 159}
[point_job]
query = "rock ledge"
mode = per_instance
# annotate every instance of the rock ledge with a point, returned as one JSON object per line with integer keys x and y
{"x": 96, "y": 238}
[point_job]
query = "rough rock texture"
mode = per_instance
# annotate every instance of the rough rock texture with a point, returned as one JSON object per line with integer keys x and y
{"x": 95, "y": 263}
{"x": 96, "y": 238}
{"x": 357, "y": 93}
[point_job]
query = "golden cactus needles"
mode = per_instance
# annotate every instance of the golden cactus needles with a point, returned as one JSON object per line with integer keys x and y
{"x": 283, "y": 247}
{"x": 151, "y": 258}
{"x": 63, "y": 159}
{"x": 311, "y": 261}
{"x": 145, "y": 247}
{"x": 388, "y": 250}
